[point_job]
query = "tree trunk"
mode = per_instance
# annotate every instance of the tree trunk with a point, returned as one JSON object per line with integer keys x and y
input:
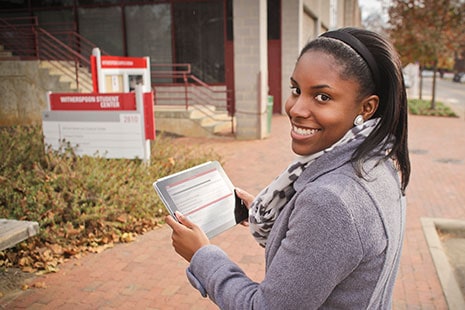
{"x": 433, "y": 90}
{"x": 420, "y": 85}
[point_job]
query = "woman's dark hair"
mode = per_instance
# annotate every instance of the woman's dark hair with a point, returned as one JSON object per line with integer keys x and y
{"x": 392, "y": 109}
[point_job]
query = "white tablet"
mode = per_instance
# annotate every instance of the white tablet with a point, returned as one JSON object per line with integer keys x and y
{"x": 205, "y": 195}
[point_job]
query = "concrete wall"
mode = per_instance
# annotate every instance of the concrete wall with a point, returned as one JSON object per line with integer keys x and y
{"x": 302, "y": 21}
{"x": 352, "y": 13}
{"x": 310, "y": 27}
{"x": 23, "y": 88}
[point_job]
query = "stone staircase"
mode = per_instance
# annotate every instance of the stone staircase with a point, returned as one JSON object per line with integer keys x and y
{"x": 63, "y": 71}
{"x": 195, "y": 121}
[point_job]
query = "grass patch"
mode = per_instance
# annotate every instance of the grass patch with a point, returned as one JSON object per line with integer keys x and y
{"x": 82, "y": 203}
{"x": 423, "y": 107}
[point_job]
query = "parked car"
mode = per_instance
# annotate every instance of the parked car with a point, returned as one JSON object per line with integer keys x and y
{"x": 459, "y": 77}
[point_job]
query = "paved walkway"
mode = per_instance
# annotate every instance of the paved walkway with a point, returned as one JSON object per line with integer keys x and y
{"x": 147, "y": 274}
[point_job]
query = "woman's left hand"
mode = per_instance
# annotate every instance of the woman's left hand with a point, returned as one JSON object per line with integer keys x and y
{"x": 187, "y": 237}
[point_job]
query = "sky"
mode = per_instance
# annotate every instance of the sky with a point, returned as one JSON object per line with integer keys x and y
{"x": 369, "y": 6}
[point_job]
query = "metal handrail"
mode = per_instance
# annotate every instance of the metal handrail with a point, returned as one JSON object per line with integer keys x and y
{"x": 27, "y": 41}
{"x": 184, "y": 77}
{"x": 67, "y": 52}
{"x": 52, "y": 49}
{"x": 178, "y": 84}
{"x": 17, "y": 34}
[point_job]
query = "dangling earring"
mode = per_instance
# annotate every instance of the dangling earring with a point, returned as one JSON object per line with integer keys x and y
{"x": 358, "y": 120}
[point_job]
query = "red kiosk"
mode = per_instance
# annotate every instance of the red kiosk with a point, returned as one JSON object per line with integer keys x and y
{"x": 116, "y": 121}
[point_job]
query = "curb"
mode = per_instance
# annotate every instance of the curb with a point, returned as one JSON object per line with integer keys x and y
{"x": 450, "y": 286}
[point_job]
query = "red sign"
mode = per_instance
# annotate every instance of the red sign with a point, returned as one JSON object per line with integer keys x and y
{"x": 94, "y": 70}
{"x": 149, "y": 116}
{"x": 116, "y": 62}
{"x": 106, "y": 102}
{"x": 92, "y": 102}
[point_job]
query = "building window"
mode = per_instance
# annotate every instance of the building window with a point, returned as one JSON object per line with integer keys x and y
{"x": 14, "y": 4}
{"x": 52, "y": 3}
{"x": 98, "y": 2}
{"x": 274, "y": 19}
{"x": 103, "y": 26}
{"x": 199, "y": 38}
{"x": 148, "y": 32}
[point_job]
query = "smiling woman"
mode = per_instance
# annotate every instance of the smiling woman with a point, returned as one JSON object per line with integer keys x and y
{"x": 334, "y": 219}
{"x": 323, "y": 106}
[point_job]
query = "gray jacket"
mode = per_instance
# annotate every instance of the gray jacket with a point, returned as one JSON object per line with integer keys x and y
{"x": 335, "y": 245}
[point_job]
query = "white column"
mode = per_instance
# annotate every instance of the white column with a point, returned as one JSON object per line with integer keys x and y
{"x": 250, "y": 68}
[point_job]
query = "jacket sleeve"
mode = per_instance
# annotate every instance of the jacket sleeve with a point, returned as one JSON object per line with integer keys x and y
{"x": 320, "y": 248}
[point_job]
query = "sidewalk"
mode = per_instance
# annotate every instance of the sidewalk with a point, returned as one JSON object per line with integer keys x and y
{"x": 148, "y": 274}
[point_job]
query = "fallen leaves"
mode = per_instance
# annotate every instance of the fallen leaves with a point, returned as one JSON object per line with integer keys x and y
{"x": 41, "y": 285}
{"x": 127, "y": 237}
{"x": 83, "y": 204}
{"x": 68, "y": 241}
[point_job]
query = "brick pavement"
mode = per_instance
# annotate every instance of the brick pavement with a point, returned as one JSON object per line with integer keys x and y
{"x": 147, "y": 274}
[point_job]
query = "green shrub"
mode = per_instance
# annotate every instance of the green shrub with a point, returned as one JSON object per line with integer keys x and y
{"x": 423, "y": 107}
{"x": 82, "y": 203}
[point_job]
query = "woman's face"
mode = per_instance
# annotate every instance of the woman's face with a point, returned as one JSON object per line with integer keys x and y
{"x": 322, "y": 106}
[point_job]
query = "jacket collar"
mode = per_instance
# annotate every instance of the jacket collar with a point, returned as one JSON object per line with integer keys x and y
{"x": 327, "y": 162}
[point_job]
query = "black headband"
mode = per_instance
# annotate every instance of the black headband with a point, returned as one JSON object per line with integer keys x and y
{"x": 360, "y": 48}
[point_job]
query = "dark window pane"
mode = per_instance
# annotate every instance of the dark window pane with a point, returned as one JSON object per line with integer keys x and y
{"x": 56, "y": 20}
{"x": 145, "y": 1}
{"x": 22, "y": 17}
{"x": 274, "y": 19}
{"x": 13, "y": 4}
{"x": 60, "y": 24}
{"x": 149, "y": 32}
{"x": 103, "y": 26}
{"x": 229, "y": 20}
{"x": 97, "y": 2}
{"x": 51, "y": 3}
{"x": 199, "y": 38}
